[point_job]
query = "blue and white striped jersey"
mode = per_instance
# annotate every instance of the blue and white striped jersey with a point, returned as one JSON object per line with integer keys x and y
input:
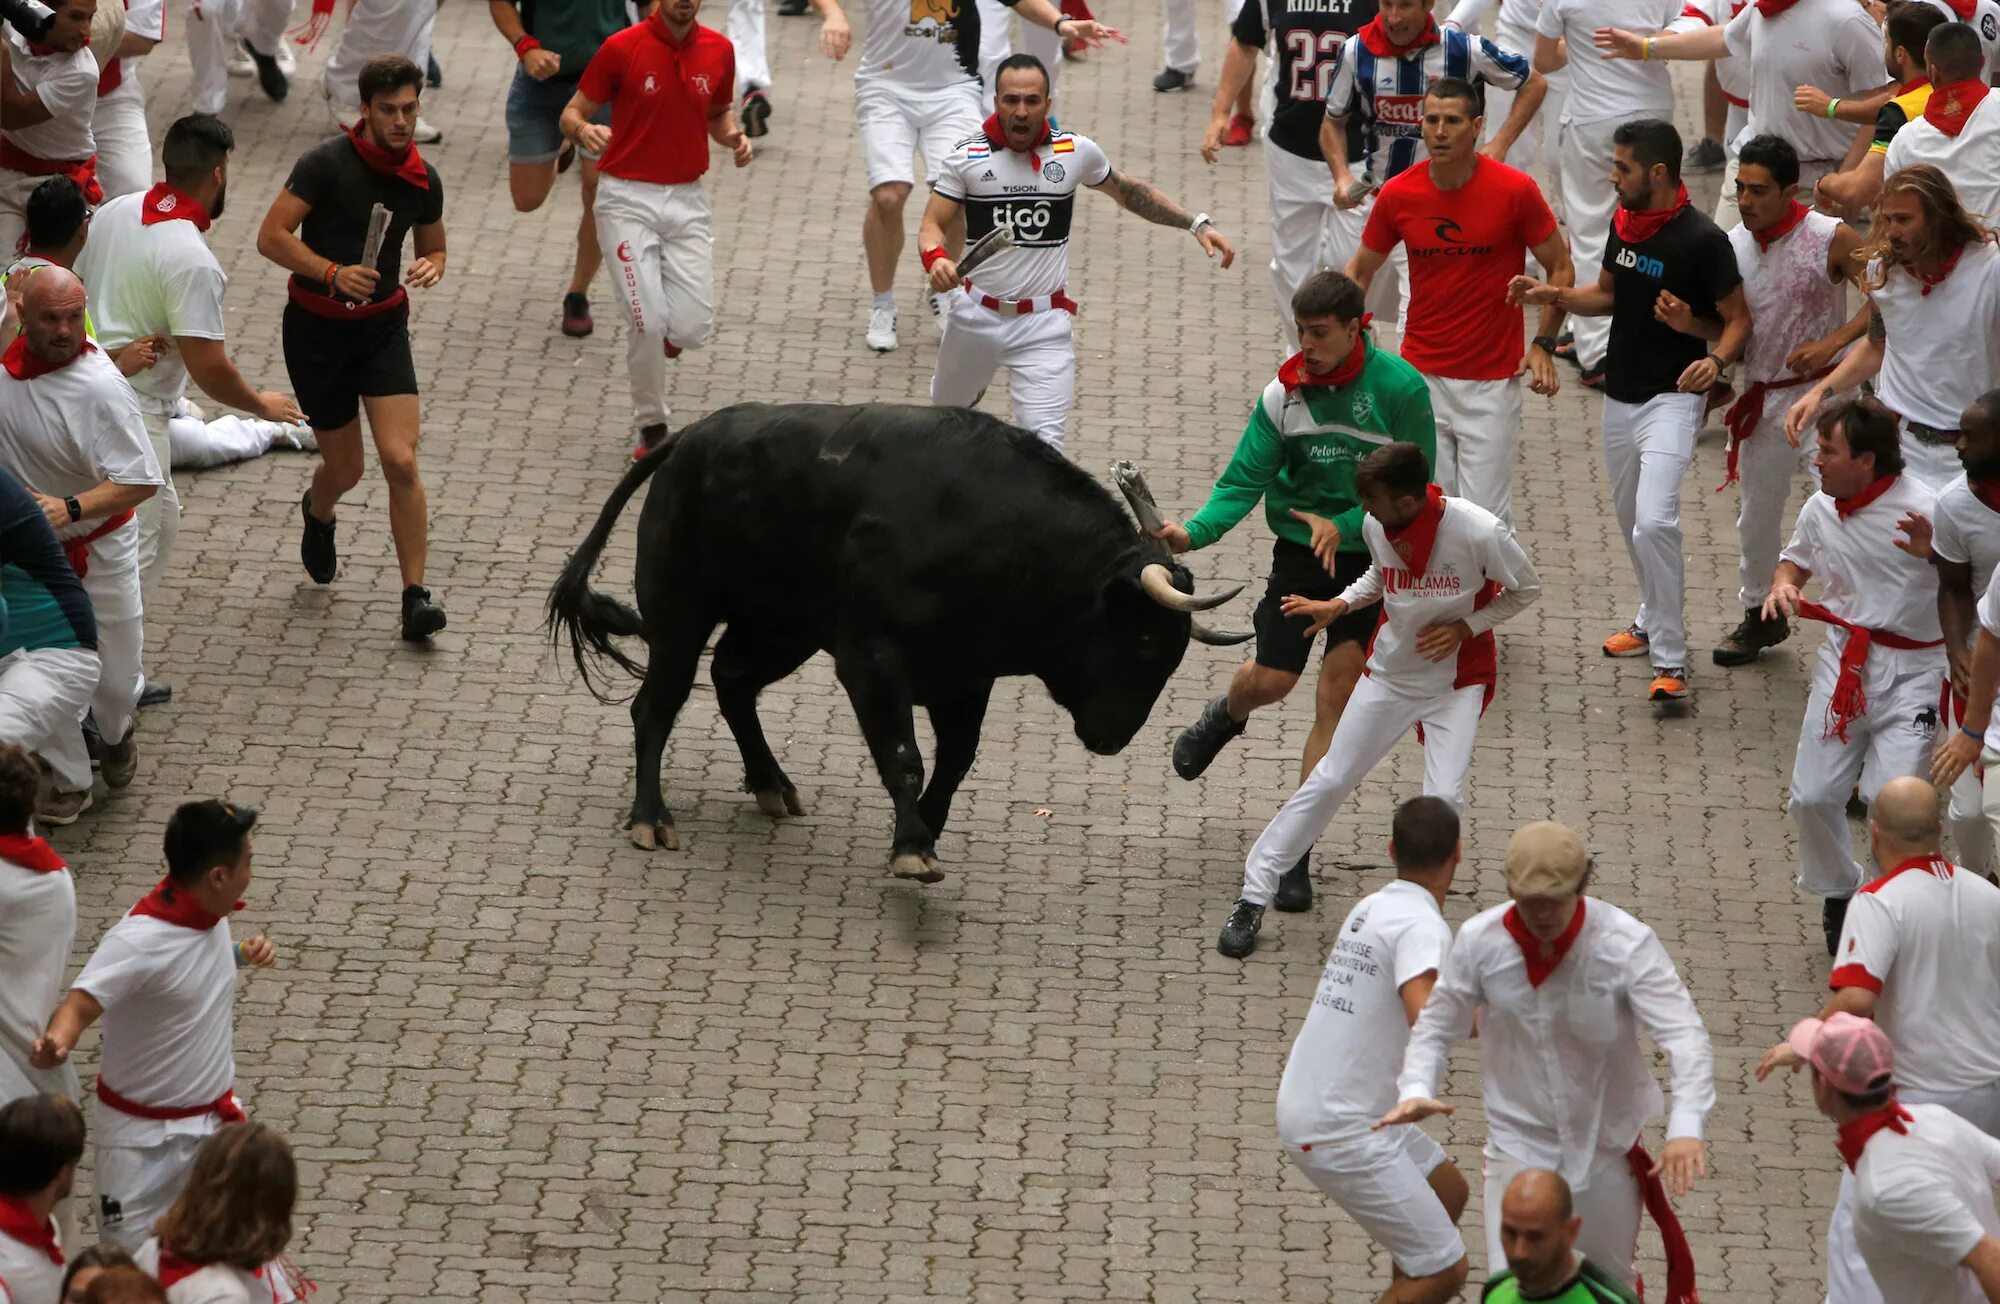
{"x": 1387, "y": 94}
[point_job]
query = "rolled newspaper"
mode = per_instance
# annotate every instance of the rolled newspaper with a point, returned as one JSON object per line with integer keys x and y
{"x": 997, "y": 241}
{"x": 378, "y": 228}
{"x": 1131, "y": 482}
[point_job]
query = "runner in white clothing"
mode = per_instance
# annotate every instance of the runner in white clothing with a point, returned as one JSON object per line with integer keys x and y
{"x": 1919, "y": 951}
{"x": 376, "y": 27}
{"x": 118, "y": 123}
{"x": 224, "y": 1238}
{"x": 220, "y": 32}
{"x": 1020, "y": 174}
{"x": 1959, "y": 130}
{"x": 41, "y": 1143}
{"x": 1879, "y": 679}
{"x": 37, "y": 927}
{"x": 164, "y": 981}
{"x": 1560, "y": 985}
{"x": 1340, "y": 1078}
{"x": 1446, "y": 572}
{"x": 48, "y": 94}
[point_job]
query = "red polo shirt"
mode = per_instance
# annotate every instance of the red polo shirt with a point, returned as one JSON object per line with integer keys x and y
{"x": 660, "y": 92}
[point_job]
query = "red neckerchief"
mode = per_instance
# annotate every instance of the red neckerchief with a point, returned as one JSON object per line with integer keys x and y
{"x": 1636, "y": 226}
{"x": 1846, "y": 507}
{"x": 18, "y": 1224}
{"x": 1781, "y": 228}
{"x": 1930, "y": 281}
{"x": 23, "y": 365}
{"x": 1964, "y": 9}
{"x": 176, "y": 906}
{"x": 1542, "y": 957}
{"x": 1376, "y": 38}
{"x": 993, "y": 133}
{"x": 165, "y": 202}
{"x": 1986, "y": 489}
{"x": 174, "y": 1268}
{"x": 1772, "y": 8}
{"x": 30, "y": 853}
{"x": 1292, "y": 374}
{"x": 1952, "y": 103}
{"x": 1853, "y": 1137}
{"x": 1413, "y": 542}
{"x": 408, "y": 165}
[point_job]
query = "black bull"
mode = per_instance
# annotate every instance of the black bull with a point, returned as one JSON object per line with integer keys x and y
{"x": 929, "y": 550}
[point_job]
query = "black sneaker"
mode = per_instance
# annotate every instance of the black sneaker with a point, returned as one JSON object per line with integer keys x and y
{"x": 756, "y": 114}
{"x": 576, "y": 319}
{"x": 269, "y": 75}
{"x": 649, "y": 439}
{"x": 1173, "y": 79}
{"x": 433, "y": 75}
{"x": 791, "y": 8}
{"x": 1565, "y": 347}
{"x": 316, "y": 544}
{"x": 1295, "y": 888}
{"x": 421, "y": 617}
{"x": 1832, "y": 918}
{"x": 156, "y": 693}
{"x": 1239, "y": 935}
{"x": 1201, "y": 741}
{"x": 566, "y": 157}
{"x": 1740, "y": 646}
{"x": 1592, "y": 377}
{"x": 1705, "y": 157}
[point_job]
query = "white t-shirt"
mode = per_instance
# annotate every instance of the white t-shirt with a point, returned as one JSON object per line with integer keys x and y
{"x": 151, "y": 280}
{"x": 37, "y": 926}
{"x": 1866, "y": 579}
{"x": 1831, "y": 44}
{"x": 922, "y": 45}
{"x": 1473, "y": 546}
{"x": 27, "y": 1275}
{"x": 169, "y": 995}
{"x": 1922, "y": 1200}
{"x": 67, "y": 87}
{"x": 1942, "y": 348}
{"x": 1966, "y": 532}
{"x": 147, "y": 18}
{"x": 1971, "y": 159}
{"x": 1610, "y": 88}
{"x": 1342, "y": 1073}
{"x": 1926, "y": 940}
{"x": 1989, "y": 620}
{"x": 1000, "y": 187}
{"x": 218, "y": 1283}
{"x": 72, "y": 429}
{"x": 1733, "y": 75}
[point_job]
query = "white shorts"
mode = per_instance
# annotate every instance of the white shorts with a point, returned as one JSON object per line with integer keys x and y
{"x": 1381, "y": 1180}
{"x": 896, "y": 125}
{"x": 136, "y": 1186}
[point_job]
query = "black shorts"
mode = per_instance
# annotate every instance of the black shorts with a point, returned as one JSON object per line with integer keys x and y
{"x": 335, "y": 364}
{"x": 1282, "y": 643}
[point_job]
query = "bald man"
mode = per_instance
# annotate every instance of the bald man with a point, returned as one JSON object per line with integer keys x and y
{"x": 1919, "y": 953}
{"x": 1538, "y": 1232}
{"x": 70, "y": 430}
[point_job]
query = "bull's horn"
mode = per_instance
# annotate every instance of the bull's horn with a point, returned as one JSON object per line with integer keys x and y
{"x": 1219, "y": 637}
{"x": 1158, "y": 582}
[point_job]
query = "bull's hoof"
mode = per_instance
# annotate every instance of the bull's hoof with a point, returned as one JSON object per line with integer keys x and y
{"x": 794, "y": 804}
{"x": 779, "y": 802}
{"x": 920, "y": 869}
{"x": 647, "y": 837}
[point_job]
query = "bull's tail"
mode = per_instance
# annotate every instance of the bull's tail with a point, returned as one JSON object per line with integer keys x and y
{"x": 589, "y": 619}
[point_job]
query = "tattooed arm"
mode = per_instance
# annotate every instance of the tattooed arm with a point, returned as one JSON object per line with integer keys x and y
{"x": 1142, "y": 200}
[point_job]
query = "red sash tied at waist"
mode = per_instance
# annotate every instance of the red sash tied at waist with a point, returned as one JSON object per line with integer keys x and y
{"x": 1850, "y": 700}
{"x": 224, "y": 1107}
{"x": 321, "y": 305}
{"x": 1680, "y": 1257}
{"x": 1741, "y": 417}
{"x": 77, "y": 550}
{"x": 82, "y": 171}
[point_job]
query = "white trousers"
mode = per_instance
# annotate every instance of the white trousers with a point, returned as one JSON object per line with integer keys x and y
{"x": 1647, "y": 449}
{"x": 121, "y": 644}
{"x": 1932, "y": 465}
{"x": 376, "y": 27}
{"x": 214, "y": 26}
{"x": 996, "y": 42}
{"x": 44, "y": 695}
{"x": 1478, "y": 433}
{"x": 1382, "y": 1180}
{"x": 1894, "y": 738}
{"x": 159, "y": 517}
{"x": 1583, "y": 166}
{"x": 1180, "y": 39}
{"x": 1376, "y": 716}
{"x": 1535, "y": 151}
{"x": 198, "y": 444}
{"x": 1971, "y": 827}
{"x": 124, "y": 149}
{"x": 745, "y": 30}
{"x": 1308, "y": 233}
{"x": 136, "y": 1186}
{"x": 1609, "y": 1202}
{"x": 1767, "y": 464}
{"x": 662, "y": 261}
{"x": 1037, "y": 349}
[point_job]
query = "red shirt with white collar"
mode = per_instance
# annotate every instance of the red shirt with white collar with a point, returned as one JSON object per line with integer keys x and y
{"x": 661, "y": 92}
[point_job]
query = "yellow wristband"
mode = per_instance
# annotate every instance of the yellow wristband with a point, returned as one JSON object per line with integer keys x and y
{"x": 1645, "y": 48}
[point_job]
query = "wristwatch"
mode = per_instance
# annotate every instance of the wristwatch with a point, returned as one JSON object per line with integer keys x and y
{"x": 1546, "y": 343}
{"x": 75, "y": 509}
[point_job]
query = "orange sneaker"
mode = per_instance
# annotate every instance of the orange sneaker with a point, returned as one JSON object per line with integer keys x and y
{"x": 1628, "y": 642}
{"x": 1669, "y": 685}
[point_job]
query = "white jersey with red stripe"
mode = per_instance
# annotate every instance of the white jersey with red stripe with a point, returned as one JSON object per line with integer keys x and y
{"x": 1030, "y": 192}
{"x": 1925, "y": 937}
{"x": 169, "y": 996}
{"x": 1865, "y": 578}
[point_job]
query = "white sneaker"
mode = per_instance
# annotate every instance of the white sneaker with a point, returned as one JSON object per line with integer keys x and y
{"x": 935, "y": 305}
{"x": 302, "y": 437}
{"x": 240, "y": 63}
{"x": 426, "y": 134}
{"x": 881, "y": 329}
{"x": 287, "y": 61}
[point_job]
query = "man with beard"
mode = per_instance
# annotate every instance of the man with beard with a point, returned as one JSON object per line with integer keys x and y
{"x": 1959, "y": 131}
{"x": 1933, "y": 342}
{"x": 1904, "y": 34}
{"x": 1661, "y": 252}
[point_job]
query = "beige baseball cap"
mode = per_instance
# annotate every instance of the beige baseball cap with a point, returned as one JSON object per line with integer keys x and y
{"x": 1545, "y": 859}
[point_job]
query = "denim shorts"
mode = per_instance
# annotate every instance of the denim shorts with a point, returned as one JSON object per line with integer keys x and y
{"x": 534, "y": 116}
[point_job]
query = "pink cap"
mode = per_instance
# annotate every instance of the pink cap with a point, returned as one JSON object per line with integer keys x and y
{"x": 1852, "y": 1054}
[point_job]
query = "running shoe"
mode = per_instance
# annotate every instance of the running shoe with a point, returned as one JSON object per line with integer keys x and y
{"x": 649, "y": 439}
{"x": 433, "y": 75}
{"x": 1566, "y": 348}
{"x": 1833, "y": 918}
{"x": 1239, "y": 934}
{"x": 287, "y": 61}
{"x": 156, "y": 693}
{"x": 1740, "y": 646}
{"x": 671, "y": 349}
{"x": 426, "y": 134}
{"x": 565, "y": 157}
{"x": 240, "y": 63}
{"x": 934, "y": 306}
{"x": 881, "y": 334}
{"x": 58, "y": 809}
{"x": 576, "y": 320}
{"x": 756, "y": 114}
{"x": 1295, "y": 887}
{"x": 1173, "y": 79}
{"x": 421, "y": 616}
{"x": 316, "y": 548}
{"x": 1242, "y": 128}
{"x": 269, "y": 75}
{"x": 121, "y": 760}
{"x": 1628, "y": 642}
{"x": 1705, "y": 157}
{"x": 1592, "y": 377}
{"x": 791, "y": 8}
{"x": 1669, "y": 684}
{"x": 1202, "y": 741}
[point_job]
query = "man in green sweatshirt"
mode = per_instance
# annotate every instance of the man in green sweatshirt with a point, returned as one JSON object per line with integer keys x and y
{"x": 1333, "y": 403}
